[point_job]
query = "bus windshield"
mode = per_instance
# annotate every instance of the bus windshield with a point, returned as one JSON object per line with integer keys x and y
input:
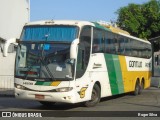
{"x": 44, "y": 60}
{"x": 49, "y": 33}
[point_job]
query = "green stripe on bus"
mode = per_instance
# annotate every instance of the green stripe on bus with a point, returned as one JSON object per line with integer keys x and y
{"x": 97, "y": 25}
{"x": 43, "y": 83}
{"x": 39, "y": 83}
{"x": 111, "y": 73}
{"x": 47, "y": 83}
{"x": 114, "y": 73}
{"x": 118, "y": 71}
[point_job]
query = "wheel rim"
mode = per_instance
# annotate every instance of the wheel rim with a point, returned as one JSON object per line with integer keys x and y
{"x": 94, "y": 95}
{"x": 142, "y": 85}
{"x": 137, "y": 89}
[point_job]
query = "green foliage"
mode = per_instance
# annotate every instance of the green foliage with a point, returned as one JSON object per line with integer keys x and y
{"x": 142, "y": 21}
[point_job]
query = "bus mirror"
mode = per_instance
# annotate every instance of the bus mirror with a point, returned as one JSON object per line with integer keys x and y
{"x": 6, "y": 45}
{"x": 74, "y": 49}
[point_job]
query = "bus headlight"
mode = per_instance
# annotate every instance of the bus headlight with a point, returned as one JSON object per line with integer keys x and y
{"x": 64, "y": 89}
{"x": 19, "y": 86}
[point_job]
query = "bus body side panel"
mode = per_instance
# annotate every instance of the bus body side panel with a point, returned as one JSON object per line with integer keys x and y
{"x": 96, "y": 72}
{"x": 123, "y": 72}
{"x": 114, "y": 73}
{"x": 134, "y": 69}
{"x": 127, "y": 78}
{"x": 99, "y": 72}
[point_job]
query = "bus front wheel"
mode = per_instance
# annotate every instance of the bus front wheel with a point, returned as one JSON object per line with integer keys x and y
{"x": 95, "y": 97}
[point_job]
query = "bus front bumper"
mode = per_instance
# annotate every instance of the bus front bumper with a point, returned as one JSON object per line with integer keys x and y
{"x": 65, "y": 97}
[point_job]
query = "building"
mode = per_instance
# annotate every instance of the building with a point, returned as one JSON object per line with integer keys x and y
{"x": 155, "y": 61}
{"x": 14, "y": 15}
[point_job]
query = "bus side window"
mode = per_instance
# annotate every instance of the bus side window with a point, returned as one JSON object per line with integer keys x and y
{"x": 110, "y": 43}
{"x": 149, "y": 51}
{"x": 134, "y": 47}
{"x": 83, "y": 51}
{"x": 98, "y": 41}
{"x": 127, "y": 47}
{"x": 107, "y": 43}
{"x": 117, "y": 45}
{"x": 143, "y": 50}
{"x": 121, "y": 46}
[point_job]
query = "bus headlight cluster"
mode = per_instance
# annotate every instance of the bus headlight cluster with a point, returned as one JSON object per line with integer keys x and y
{"x": 64, "y": 89}
{"x": 19, "y": 86}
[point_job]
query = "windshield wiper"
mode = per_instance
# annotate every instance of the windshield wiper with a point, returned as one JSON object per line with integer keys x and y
{"x": 48, "y": 70}
{"x": 41, "y": 60}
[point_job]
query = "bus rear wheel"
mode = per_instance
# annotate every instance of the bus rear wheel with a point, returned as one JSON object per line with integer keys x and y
{"x": 95, "y": 97}
{"x": 138, "y": 88}
{"x": 142, "y": 85}
{"x": 47, "y": 104}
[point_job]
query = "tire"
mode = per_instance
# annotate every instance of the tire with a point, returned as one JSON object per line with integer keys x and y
{"x": 142, "y": 85}
{"x": 95, "y": 97}
{"x": 47, "y": 104}
{"x": 137, "y": 90}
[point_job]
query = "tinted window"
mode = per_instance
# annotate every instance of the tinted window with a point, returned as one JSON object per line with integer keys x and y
{"x": 49, "y": 33}
{"x": 83, "y": 51}
{"x": 112, "y": 43}
{"x": 98, "y": 41}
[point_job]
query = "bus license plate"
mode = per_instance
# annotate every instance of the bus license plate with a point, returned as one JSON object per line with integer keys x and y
{"x": 39, "y": 96}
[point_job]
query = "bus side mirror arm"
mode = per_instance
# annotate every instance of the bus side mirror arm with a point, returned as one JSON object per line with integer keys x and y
{"x": 74, "y": 49}
{"x": 6, "y": 46}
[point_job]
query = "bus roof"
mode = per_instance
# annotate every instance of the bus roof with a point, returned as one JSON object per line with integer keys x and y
{"x": 82, "y": 23}
{"x": 61, "y": 22}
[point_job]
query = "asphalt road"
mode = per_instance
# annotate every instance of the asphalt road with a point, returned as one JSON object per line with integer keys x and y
{"x": 149, "y": 100}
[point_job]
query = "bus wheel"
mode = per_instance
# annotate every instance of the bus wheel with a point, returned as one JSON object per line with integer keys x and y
{"x": 137, "y": 89}
{"x": 95, "y": 97}
{"x": 48, "y": 104}
{"x": 142, "y": 85}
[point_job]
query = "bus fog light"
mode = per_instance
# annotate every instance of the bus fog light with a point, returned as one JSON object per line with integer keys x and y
{"x": 69, "y": 97}
{"x": 64, "y": 89}
{"x": 19, "y": 86}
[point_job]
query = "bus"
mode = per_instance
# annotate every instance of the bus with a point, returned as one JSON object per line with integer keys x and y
{"x": 79, "y": 62}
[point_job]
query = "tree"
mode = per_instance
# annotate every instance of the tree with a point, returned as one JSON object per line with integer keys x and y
{"x": 142, "y": 21}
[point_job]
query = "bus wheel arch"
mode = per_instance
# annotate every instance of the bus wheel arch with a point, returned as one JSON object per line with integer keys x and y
{"x": 95, "y": 95}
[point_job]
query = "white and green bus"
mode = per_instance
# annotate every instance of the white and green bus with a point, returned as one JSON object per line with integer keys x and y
{"x": 79, "y": 61}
